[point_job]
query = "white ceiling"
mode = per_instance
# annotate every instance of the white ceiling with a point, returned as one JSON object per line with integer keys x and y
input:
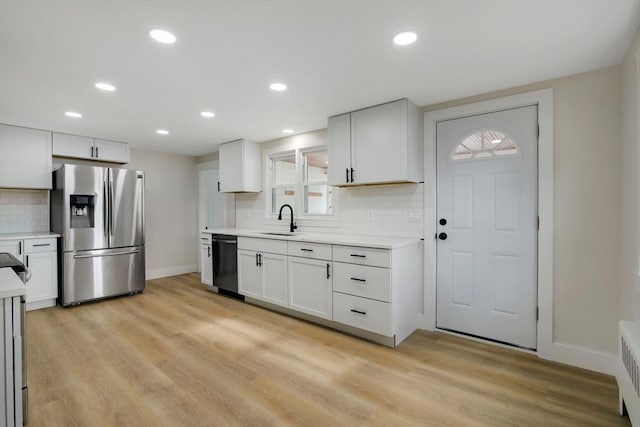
{"x": 335, "y": 56}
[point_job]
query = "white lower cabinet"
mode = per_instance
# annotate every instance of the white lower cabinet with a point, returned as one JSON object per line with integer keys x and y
{"x": 206, "y": 259}
{"x": 370, "y": 292}
{"x": 10, "y": 363}
{"x": 310, "y": 286}
{"x": 263, "y": 276}
{"x": 40, "y": 256}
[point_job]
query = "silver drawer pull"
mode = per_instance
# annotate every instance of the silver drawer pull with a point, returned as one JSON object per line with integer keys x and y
{"x": 42, "y": 244}
{"x": 109, "y": 254}
{"x": 306, "y": 250}
{"x": 364, "y": 313}
{"x": 358, "y": 256}
{"x": 355, "y": 279}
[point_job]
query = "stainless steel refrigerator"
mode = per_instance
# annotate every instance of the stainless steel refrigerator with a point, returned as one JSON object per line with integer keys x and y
{"x": 99, "y": 212}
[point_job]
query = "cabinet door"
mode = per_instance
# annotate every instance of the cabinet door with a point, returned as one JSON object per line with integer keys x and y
{"x": 249, "y": 275}
{"x": 206, "y": 264}
{"x": 80, "y": 147}
{"x": 379, "y": 143}
{"x": 274, "y": 279}
{"x": 232, "y": 166}
{"x": 26, "y": 158}
{"x": 43, "y": 284}
{"x": 14, "y": 247}
{"x": 310, "y": 286}
{"x": 111, "y": 151}
{"x": 339, "y": 144}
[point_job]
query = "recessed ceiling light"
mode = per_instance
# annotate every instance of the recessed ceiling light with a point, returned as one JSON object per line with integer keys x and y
{"x": 496, "y": 141}
{"x": 405, "y": 38}
{"x": 207, "y": 114}
{"x": 162, "y": 36}
{"x": 287, "y": 130}
{"x": 105, "y": 86}
{"x": 73, "y": 114}
{"x": 162, "y": 132}
{"x": 278, "y": 87}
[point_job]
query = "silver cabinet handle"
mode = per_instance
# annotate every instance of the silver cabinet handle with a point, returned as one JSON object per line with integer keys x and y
{"x": 42, "y": 244}
{"x": 137, "y": 251}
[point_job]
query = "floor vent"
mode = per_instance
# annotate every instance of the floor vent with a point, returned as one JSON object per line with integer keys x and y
{"x": 628, "y": 373}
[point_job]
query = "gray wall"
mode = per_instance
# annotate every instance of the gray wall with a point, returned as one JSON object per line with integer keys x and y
{"x": 171, "y": 201}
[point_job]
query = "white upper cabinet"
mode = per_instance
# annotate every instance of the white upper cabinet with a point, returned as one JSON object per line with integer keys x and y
{"x": 25, "y": 159}
{"x": 111, "y": 151}
{"x": 80, "y": 147}
{"x": 240, "y": 167}
{"x": 376, "y": 145}
{"x": 83, "y": 147}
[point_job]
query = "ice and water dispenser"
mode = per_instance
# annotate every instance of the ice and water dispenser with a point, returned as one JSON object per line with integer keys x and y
{"x": 82, "y": 210}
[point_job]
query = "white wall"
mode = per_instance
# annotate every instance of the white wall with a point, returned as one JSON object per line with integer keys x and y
{"x": 24, "y": 211}
{"x": 629, "y": 256}
{"x": 171, "y": 202}
{"x": 384, "y": 210}
{"x": 587, "y": 198}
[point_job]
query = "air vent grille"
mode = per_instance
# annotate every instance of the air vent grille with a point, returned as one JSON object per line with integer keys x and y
{"x": 631, "y": 364}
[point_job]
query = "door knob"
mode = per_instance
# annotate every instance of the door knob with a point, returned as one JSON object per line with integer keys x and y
{"x": 442, "y": 236}
{"x": 443, "y": 221}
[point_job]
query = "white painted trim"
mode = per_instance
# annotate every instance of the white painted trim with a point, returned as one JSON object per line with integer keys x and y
{"x": 36, "y": 305}
{"x": 547, "y": 348}
{"x": 157, "y": 273}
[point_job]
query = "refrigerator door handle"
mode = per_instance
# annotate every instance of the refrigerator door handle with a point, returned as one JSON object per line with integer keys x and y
{"x": 111, "y": 203}
{"x": 105, "y": 210}
{"x": 137, "y": 251}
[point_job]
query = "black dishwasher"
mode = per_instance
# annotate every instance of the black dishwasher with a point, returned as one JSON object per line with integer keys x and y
{"x": 225, "y": 262}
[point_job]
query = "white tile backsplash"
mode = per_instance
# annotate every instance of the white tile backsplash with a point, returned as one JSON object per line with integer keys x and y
{"x": 380, "y": 210}
{"x": 24, "y": 211}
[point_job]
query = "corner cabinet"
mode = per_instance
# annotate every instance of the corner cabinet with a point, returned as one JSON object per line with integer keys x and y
{"x": 84, "y": 147}
{"x": 26, "y": 158}
{"x": 240, "y": 167}
{"x": 40, "y": 256}
{"x": 376, "y": 145}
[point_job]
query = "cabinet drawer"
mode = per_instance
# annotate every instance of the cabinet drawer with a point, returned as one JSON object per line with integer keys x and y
{"x": 263, "y": 245}
{"x": 364, "y": 256}
{"x": 47, "y": 244}
{"x": 363, "y": 313}
{"x": 205, "y": 239}
{"x": 310, "y": 250}
{"x": 362, "y": 280}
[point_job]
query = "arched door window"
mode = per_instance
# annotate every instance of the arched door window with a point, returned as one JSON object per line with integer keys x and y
{"x": 485, "y": 144}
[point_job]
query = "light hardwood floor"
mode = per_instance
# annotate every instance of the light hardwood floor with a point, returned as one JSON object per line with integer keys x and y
{"x": 179, "y": 356}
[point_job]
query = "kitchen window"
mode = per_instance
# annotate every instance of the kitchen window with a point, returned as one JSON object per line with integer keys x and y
{"x": 300, "y": 179}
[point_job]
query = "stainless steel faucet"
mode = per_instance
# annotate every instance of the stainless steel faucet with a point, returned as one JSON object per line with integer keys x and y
{"x": 293, "y": 225}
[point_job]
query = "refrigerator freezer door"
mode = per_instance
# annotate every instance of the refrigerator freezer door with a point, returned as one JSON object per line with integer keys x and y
{"x": 83, "y": 226}
{"x": 102, "y": 273}
{"x": 126, "y": 188}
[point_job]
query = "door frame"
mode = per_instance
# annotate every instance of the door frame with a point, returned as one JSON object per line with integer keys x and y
{"x": 544, "y": 100}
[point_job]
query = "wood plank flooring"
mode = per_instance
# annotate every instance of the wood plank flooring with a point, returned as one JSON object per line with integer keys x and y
{"x": 178, "y": 355}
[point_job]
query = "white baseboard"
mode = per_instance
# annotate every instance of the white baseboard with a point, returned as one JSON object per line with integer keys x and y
{"x": 157, "y": 273}
{"x": 581, "y": 357}
{"x": 36, "y": 305}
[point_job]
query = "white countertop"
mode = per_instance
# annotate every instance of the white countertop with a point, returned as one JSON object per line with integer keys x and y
{"x": 10, "y": 284}
{"x": 33, "y": 235}
{"x": 382, "y": 242}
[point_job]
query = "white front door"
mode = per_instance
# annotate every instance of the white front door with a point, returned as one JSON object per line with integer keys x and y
{"x": 487, "y": 225}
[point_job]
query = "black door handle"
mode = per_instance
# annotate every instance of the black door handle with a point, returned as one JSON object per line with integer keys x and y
{"x": 351, "y": 174}
{"x": 443, "y": 221}
{"x": 328, "y": 273}
{"x": 442, "y": 236}
{"x": 218, "y": 186}
{"x": 347, "y": 170}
